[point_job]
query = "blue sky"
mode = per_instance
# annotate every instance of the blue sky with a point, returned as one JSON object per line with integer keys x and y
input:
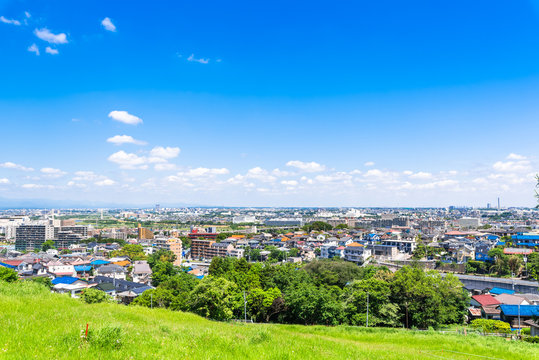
{"x": 322, "y": 103}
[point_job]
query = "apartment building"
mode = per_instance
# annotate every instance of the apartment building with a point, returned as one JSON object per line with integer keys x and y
{"x": 30, "y": 237}
{"x": 174, "y": 245}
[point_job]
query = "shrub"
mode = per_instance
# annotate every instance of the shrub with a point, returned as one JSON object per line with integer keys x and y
{"x": 8, "y": 275}
{"x": 93, "y": 296}
{"x": 491, "y": 326}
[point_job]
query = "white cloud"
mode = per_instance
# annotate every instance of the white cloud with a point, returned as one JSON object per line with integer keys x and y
{"x": 201, "y": 60}
{"x": 10, "y": 165}
{"x": 198, "y": 172}
{"x": 165, "y": 152}
{"x": 33, "y": 48}
{"x": 46, "y": 35}
{"x": 27, "y": 14}
{"x": 289, "y": 182}
{"x": 108, "y": 25}
{"x": 4, "y": 181}
{"x": 128, "y": 160}
{"x": 52, "y": 172}
{"x": 512, "y": 166}
{"x": 10, "y": 21}
{"x": 165, "y": 167}
{"x": 124, "y": 139}
{"x": 105, "y": 182}
{"x": 421, "y": 175}
{"x": 306, "y": 166}
{"x": 369, "y": 163}
{"x": 125, "y": 117}
{"x": 514, "y": 156}
{"x": 51, "y": 51}
{"x": 32, "y": 186}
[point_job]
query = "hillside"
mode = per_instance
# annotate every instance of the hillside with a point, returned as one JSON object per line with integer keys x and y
{"x": 39, "y": 325}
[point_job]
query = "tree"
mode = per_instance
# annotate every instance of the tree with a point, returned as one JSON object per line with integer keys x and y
{"x": 317, "y": 226}
{"x": 93, "y": 296}
{"x": 45, "y": 281}
{"x": 162, "y": 271}
{"x": 215, "y": 298}
{"x": 341, "y": 227}
{"x": 333, "y": 272}
{"x": 132, "y": 251}
{"x": 260, "y": 302}
{"x": 515, "y": 264}
{"x": 161, "y": 255}
{"x": 8, "y": 275}
{"x": 158, "y": 298}
{"x": 49, "y": 244}
{"x": 309, "y": 305}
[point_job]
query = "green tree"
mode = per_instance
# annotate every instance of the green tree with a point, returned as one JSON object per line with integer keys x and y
{"x": 341, "y": 227}
{"x": 45, "y": 281}
{"x": 308, "y": 304}
{"x": 317, "y": 226}
{"x": 162, "y": 271}
{"x": 8, "y": 275}
{"x": 49, "y": 244}
{"x": 157, "y": 298}
{"x": 161, "y": 255}
{"x": 215, "y": 298}
{"x": 260, "y": 302}
{"x": 515, "y": 264}
{"x": 132, "y": 251}
{"x": 333, "y": 272}
{"x": 93, "y": 296}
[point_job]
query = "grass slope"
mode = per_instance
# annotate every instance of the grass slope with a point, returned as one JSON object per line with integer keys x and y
{"x": 35, "y": 324}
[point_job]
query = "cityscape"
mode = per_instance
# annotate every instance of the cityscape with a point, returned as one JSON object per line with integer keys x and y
{"x": 269, "y": 180}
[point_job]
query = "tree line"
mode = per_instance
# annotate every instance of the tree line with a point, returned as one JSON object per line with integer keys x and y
{"x": 326, "y": 292}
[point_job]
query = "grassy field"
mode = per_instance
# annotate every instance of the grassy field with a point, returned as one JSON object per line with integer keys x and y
{"x": 35, "y": 324}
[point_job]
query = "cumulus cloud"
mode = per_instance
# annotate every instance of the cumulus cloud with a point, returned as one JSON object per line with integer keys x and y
{"x": 33, "y": 48}
{"x": 289, "y": 182}
{"x": 36, "y": 186}
{"x": 128, "y": 160}
{"x": 369, "y": 163}
{"x": 165, "y": 152}
{"x": 421, "y": 175}
{"x": 124, "y": 139}
{"x": 46, "y": 35}
{"x": 201, "y": 171}
{"x": 306, "y": 166}
{"x": 108, "y": 25}
{"x": 10, "y": 165}
{"x": 27, "y": 14}
{"x": 125, "y": 117}
{"x": 105, "y": 182}
{"x": 4, "y": 181}
{"x": 514, "y": 156}
{"x": 51, "y": 51}
{"x": 10, "y": 21}
{"x": 165, "y": 167}
{"x": 201, "y": 60}
{"x": 52, "y": 172}
{"x": 515, "y": 163}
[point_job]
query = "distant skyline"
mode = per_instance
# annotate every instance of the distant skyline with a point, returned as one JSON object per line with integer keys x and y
{"x": 373, "y": 104}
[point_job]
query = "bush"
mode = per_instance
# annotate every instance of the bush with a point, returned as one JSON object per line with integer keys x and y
{"x": 45, "y": 281}
{"x": 93, "y": 296}
{"x": 531, "y": 339}
{"x": 491, "y": 326}
{"x": 8, "y": 275}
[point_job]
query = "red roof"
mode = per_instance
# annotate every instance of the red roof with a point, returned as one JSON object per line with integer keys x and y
{"x": 12, "y": 262}
{"x": 486, "y": 300}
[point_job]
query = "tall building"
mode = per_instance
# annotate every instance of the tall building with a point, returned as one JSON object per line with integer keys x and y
{"x": 144, "y": 234}
{"x": 200, "y": 248}
{"x": 174, "y": 245}
{"x": 30, "y": 237}
{"x": 66, "y": 238}
{"x": 77, "y": 229}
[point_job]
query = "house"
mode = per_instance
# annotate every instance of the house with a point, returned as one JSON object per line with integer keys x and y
{"x": 141, "y": 272}
{"x": 517, "y": 315}
{"x": 111, "y": 270}
{"x": 509, "y": 299}
{"x": 357, "y": 253}
{"x": 498, "y": 291}
{"x": 60, "y": 269}
{"x": 69, "y": 284}
{"x": 488, "y": 305}
{"x": 121, "y": 286}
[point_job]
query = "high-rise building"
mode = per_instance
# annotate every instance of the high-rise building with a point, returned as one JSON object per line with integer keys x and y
{"x": 30, "y": 237}
{"x": 174, "y": 245}
{"x": 144, "y": 234}
{"x": 66, "y": 238}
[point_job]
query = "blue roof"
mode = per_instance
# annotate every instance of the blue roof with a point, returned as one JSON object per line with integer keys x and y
{"x": 100, "y": 262}
{"x": 493, "y": 237}
{"x": 80, "y": 268}
{"x": 498, "y": 291}
{"x": 527, "y": 244}
{"x": 8, "y": 266}
{"x": 525, "y": 310}
{"x": 64, "y": 280}
{"x": 500, "y": 243}
{"x": 525, "y": 237}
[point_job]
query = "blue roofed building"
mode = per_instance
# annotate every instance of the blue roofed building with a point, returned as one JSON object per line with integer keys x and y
{"x": 498, "y": 291}
{"x": 512, "y": 314}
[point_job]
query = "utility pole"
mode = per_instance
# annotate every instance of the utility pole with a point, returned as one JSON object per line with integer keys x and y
{"x": 151, "y": 301}
{"x": 519, "y": 328}
{"x": 367, "y": 309}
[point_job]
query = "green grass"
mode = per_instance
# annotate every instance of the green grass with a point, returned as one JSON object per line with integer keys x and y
{"x": 35, "y": 324}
